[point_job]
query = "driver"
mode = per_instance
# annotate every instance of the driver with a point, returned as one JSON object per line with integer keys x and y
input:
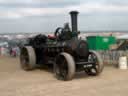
{"x": 66, "y": 34}
{"x": 63, "y": 33}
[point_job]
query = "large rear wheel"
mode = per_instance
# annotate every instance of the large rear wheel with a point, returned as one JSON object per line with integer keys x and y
{"x": 64, "y": 67}
{"x": 27, "y": 58}
{"x": 98, "y": 65}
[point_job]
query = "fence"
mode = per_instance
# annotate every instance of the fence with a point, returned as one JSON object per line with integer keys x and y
{"x": 112, "y": 57}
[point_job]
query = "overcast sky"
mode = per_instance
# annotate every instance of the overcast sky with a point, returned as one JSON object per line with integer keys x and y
{"x": 46, "y": 15}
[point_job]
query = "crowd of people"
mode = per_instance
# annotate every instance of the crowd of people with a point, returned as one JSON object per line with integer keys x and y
{"x": 13, "y": 51}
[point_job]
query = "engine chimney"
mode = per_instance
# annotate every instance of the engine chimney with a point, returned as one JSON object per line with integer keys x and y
{"x": 74, "y": 21}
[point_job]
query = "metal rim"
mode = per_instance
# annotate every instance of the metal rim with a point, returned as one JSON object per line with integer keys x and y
{"x": 27, "y": 58}
{"x": 61, "y": 68}
{"x": 24, "y": 58}
{"x": 95, "y": 69}
{"x": 64, "y": 67}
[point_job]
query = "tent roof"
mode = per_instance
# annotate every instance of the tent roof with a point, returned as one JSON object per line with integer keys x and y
{"x": 122, "y": 37}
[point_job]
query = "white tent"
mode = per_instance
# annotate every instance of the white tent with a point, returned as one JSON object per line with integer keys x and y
{"x": 4, "y": 44}
{"x": 4, "y": 51}
{"x": 20, "y": 36}
{"x": 123, "y": 37}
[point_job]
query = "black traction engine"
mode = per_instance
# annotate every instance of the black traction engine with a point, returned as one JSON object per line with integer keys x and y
{"x": 64, "y": 50}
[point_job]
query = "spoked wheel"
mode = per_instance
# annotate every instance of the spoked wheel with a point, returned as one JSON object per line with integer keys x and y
{"x": 27, "y": 58}
{"x": 64, "y": 67}
{"x": 97, "y": 67}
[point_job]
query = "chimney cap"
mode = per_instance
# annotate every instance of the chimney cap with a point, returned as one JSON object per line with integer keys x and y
{"x": 74, "y": 12}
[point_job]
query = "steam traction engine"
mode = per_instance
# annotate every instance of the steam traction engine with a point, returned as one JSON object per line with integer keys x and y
{"x": 64, "y": 50}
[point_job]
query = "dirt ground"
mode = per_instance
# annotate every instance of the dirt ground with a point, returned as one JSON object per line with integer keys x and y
{"x": 16, "y": 82}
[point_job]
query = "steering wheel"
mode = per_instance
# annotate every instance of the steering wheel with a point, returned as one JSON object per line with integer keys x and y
{"x": 58, "y": 32}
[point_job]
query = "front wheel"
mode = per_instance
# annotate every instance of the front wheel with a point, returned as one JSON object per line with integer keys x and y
{"x": 64, "y": 67}
{"x": 98, "y": 65}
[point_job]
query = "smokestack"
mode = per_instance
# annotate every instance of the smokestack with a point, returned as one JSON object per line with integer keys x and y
{"x": 74, "y": 20}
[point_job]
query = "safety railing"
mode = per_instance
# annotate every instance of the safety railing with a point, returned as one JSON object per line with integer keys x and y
{"x": 112, "y": 57}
